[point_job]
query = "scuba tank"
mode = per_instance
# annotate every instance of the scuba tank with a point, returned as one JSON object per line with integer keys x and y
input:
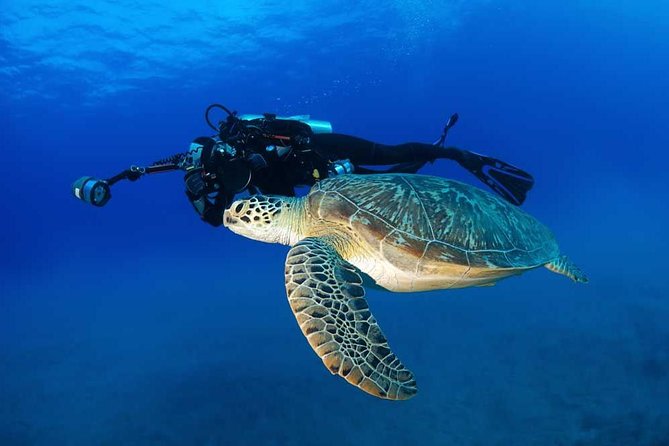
{"x": 316, "y": 126}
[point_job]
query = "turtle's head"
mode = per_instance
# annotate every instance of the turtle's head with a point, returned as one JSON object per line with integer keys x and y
{"x": 266, "y": 218}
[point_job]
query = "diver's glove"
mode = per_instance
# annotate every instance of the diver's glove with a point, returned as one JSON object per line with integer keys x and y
{"x": 209, "y": 205}
{"x": 206, "y": 152}
{"x": 214, "y": 174}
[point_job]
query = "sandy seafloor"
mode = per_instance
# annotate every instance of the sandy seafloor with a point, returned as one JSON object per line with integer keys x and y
{"x": 535, "y": 361}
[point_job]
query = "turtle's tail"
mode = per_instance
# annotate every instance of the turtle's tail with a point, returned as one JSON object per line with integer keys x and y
{"x": 562, "y": 265}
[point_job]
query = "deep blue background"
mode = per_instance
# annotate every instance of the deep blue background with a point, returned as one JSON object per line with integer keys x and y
{"x": 138, "y": 324}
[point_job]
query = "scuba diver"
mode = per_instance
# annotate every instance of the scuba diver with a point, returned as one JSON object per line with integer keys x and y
{"x": 274, "y": 155}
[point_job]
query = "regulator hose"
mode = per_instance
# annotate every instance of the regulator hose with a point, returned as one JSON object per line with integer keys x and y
{"x": 210, "y": 108}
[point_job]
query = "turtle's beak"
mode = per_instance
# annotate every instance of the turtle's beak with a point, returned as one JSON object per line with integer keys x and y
{"x": 233, "y": 215}
{"x": 228, "y": 219}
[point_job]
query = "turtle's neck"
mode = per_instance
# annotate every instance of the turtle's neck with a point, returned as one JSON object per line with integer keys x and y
{"x": 294, "y": 220}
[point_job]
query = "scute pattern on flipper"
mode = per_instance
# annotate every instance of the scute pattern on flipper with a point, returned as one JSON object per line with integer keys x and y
{"x": 326, "y": 295}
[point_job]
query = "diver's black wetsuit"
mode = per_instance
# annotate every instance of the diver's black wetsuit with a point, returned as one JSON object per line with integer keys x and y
{"x": 310, "y": 164}
{"x": 363, "y": 152}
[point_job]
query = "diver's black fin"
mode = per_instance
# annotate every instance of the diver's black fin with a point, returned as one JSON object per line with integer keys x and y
{"x": 450, "y": 123}
{"x": 508, "y": 181}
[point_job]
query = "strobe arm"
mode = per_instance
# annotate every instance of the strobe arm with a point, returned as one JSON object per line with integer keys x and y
{"x": 134, "y": 173}
{"x": 98, "y": 192}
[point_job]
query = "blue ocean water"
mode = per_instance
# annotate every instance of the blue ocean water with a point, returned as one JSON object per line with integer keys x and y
{"x": 138, "y": 324}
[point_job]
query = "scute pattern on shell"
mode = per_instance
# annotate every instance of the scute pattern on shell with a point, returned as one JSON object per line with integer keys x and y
{"x": 446, "y": 219}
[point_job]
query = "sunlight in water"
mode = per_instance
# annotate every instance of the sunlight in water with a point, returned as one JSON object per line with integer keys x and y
{"x": 112, "y": 46}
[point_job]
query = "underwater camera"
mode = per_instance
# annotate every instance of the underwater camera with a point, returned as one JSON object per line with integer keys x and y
{"x": 216, "y": 158}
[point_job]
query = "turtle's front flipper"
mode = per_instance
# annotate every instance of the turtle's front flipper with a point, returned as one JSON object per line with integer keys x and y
{"x": 325, "y": 292}
{"x": 562, "y": 265}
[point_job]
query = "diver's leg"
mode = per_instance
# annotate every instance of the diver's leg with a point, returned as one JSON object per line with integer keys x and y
{"x": 508, "y": 181}
{"x": 361, "y": 151}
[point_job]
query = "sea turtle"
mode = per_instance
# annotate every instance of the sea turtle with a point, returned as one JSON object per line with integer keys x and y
{"x": 399, "y": 232}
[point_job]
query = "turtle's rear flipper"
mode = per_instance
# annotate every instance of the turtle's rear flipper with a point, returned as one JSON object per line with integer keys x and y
{"x": 325, "y": 292}
{"x": 562, "y": 265}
